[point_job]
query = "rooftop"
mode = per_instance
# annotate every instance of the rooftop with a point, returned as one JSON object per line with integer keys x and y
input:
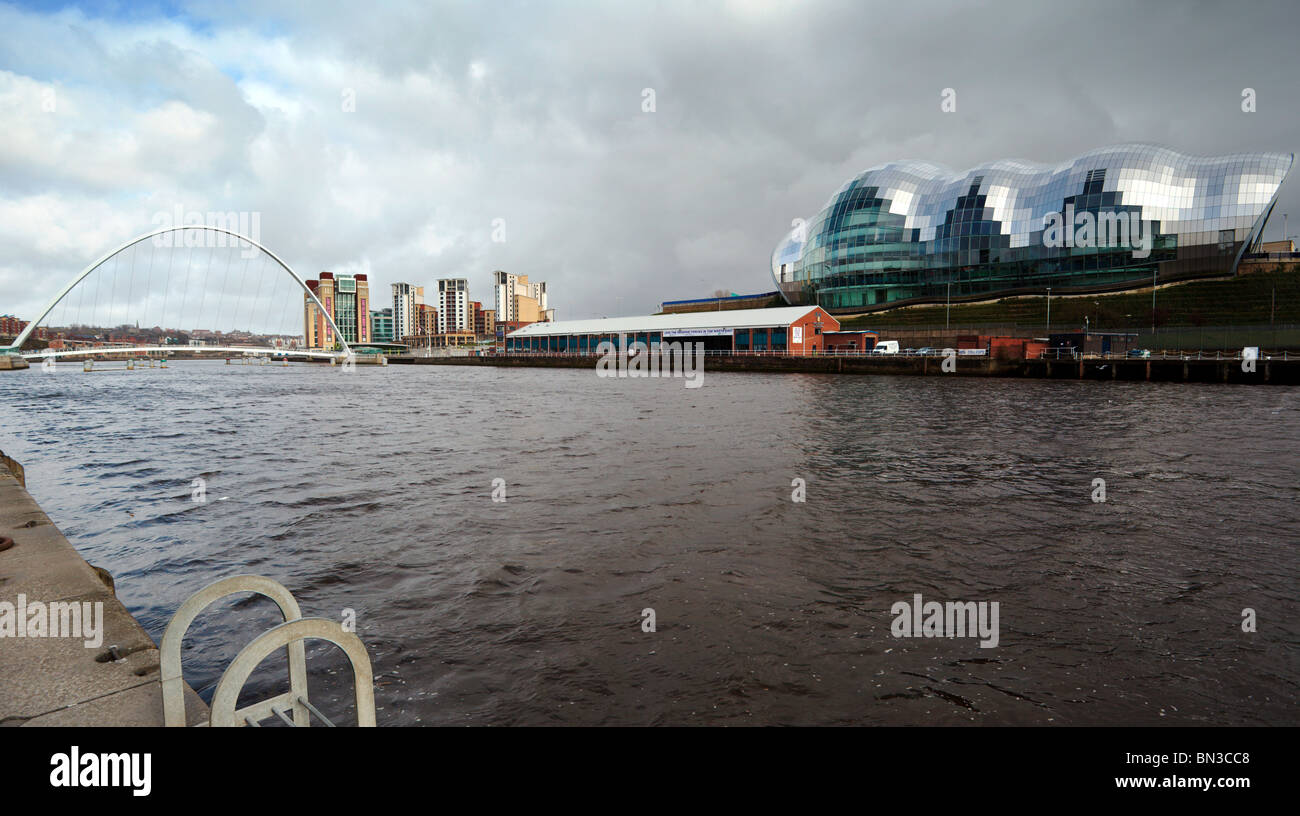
{"x": 733, "y": 319}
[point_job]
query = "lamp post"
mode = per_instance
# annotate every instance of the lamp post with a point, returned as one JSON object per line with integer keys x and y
{"x": 1049, "y": 313}
{"x": 947, "y": 306}
{"x": 1153, "y": 303}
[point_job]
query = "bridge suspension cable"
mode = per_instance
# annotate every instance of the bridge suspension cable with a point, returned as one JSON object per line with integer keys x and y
{"x": 202, "y": 271}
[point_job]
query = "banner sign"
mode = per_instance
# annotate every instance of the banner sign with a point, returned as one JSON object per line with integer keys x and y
{"x": 696, "y": 333}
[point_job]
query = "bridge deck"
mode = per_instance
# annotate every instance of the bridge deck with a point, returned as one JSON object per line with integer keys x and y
{"x": 40, "y": 354}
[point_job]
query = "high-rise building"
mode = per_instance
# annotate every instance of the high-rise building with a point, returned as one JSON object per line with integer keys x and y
{"x": 347, "y": 299}
{"x": 406, "y": 299}
{"x": 518, "y": 301}
{"x": 454, "y": 311}
{"x": 381, "y": 325}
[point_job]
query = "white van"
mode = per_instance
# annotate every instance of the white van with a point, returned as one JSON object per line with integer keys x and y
{"x": 886, "y": 347}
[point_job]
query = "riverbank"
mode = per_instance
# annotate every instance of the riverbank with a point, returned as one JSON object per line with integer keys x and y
{"x": 1266, "y": 372}
{"x": 59, "y": 681}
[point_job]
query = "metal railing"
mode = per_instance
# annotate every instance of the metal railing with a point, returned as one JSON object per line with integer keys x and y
{"x": 290, "y": 634}
{"x": 750, "y": 353}
{"x": 1167, "y": 354}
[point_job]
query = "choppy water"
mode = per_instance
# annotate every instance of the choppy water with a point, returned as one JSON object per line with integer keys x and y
{"x": 373, "y": 491}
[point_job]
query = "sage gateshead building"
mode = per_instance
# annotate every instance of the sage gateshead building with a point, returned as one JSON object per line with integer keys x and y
{"x": 1119, "y": 217}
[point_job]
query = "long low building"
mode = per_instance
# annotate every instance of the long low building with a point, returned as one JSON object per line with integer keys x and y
{"x": 789, "y": 329}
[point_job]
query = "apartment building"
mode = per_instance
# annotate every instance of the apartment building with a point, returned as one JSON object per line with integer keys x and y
{"x": 406, "y": 300}
{"x": 455, "y": 314}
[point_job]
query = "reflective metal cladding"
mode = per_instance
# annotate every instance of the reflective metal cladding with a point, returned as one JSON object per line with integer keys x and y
{"x": 915, "y": 232}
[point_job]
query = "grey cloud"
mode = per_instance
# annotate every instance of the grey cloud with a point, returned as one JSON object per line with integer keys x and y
{"x": 760, "y": 116}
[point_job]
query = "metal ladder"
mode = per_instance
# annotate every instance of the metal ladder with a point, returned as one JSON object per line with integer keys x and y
{"x": 290, "y": 634}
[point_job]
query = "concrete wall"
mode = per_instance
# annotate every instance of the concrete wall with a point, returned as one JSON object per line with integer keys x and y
{"x": 1271, "y": 372}
{"x": 59, "y": 681}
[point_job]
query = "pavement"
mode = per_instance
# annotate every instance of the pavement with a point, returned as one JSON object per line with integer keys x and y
{"x": 59, "y": 681}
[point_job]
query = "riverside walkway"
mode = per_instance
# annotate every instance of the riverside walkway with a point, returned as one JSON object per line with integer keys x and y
{"x": 59, "y": 681}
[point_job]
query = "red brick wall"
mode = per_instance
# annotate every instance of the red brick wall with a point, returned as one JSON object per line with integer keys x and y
{"x": 848, "y": 340}
{"x": 812, "y": 342}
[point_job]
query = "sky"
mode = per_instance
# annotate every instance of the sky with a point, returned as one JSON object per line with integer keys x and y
{"x": 423, "y": 140}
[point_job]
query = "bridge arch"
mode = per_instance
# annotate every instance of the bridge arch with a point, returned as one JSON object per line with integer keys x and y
{"x": 22, "y": 337}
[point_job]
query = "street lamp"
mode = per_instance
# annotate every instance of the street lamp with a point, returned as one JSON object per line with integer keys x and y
{"x": 1049, "y": 311}
{"x": 1153, "y": 302}
{"x": 947, "y": 306}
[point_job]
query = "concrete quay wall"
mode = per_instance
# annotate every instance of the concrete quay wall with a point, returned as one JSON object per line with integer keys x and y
{"x": 59, "y": 681}
{"x": 1267, "y": 372}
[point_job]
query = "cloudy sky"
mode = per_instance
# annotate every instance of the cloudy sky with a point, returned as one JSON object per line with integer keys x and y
{"x": 388, "y": 138}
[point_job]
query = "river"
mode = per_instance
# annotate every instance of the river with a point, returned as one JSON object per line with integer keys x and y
{"x": 372, "y": 491}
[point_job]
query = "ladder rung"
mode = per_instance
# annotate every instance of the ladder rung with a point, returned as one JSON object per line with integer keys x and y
{"x": 284, "y": 715}
{"x": 315, "y": 711}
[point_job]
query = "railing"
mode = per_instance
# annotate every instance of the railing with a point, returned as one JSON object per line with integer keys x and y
{"x": 744, "y": 353}
{"x": 1271, "y": 256}
{"x": 1166, "y": 354}
{"x": 292, "y": 707}
{"x": 982, "y": 354}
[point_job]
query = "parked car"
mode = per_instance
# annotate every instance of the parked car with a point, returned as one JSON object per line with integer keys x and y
{"x": 1138, "y": 353}
{"x": 925, "y": 351}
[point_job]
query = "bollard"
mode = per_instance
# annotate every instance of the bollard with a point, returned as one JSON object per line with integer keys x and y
{"x": 88, "y": 365}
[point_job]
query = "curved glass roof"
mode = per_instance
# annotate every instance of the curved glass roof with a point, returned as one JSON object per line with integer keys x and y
{"x": 918, "y": 215}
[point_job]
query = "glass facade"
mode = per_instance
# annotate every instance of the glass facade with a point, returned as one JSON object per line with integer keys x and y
{"x": 381, "y": 326}
{"x": 917, "y": 232}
